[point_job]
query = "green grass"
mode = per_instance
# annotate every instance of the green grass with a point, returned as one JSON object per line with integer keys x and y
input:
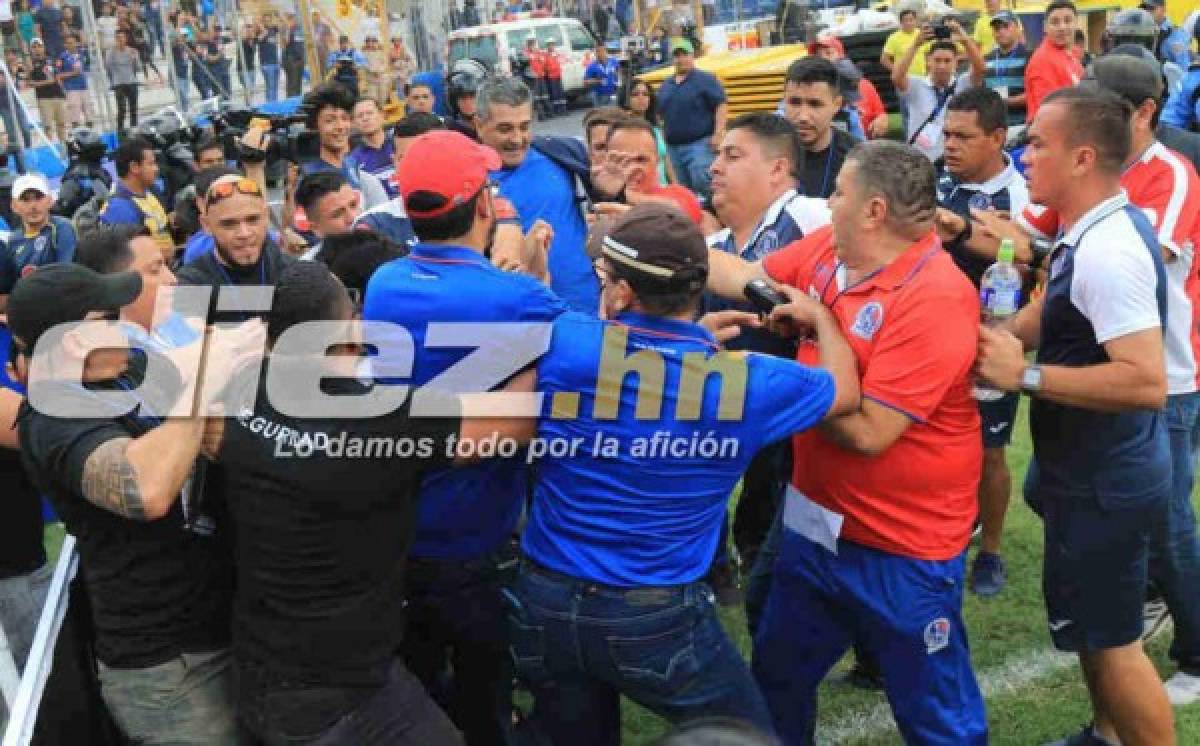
{"x": 1007, "y": 627}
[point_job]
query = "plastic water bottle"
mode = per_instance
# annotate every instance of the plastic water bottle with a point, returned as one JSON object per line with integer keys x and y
{"x": 999, "y": 298}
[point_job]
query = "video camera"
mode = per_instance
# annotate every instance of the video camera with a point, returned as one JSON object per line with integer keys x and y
{"x": 288, "y": 137}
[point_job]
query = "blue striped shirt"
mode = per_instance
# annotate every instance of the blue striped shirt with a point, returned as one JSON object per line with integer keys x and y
{"x": 1007, "y": 73}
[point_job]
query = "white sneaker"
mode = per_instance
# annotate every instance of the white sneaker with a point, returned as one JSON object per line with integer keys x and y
{"x": 1183, "y": 689}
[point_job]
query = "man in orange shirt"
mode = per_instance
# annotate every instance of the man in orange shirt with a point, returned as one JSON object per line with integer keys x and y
{"x": 553, "y": 62}
{"x": 1052, "y": 65}
{"x": 880, "y": 509}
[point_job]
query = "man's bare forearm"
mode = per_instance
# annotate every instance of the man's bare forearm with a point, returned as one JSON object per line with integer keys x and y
{"x": 139, "y": 478}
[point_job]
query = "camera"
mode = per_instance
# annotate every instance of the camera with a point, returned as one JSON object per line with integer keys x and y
{"x": 762, "y": 296}
{"x": 287, "y": 137}
{"x": 941, "y": 31}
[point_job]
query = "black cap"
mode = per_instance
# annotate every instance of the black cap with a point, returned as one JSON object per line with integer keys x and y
{"x": 656, "y": 241}
{"x": 1152, "y": 4}
{"x": 60, "y": 293}
{"x": 1132, "y": 78}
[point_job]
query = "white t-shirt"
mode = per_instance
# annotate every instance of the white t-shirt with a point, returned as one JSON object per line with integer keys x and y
{"x": 923, "y": 99}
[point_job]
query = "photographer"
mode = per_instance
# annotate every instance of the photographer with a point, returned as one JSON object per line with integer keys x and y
{"x": 343, "y": 64}
{"x": 330, "y": 108}
{"x": 926, "y": 97}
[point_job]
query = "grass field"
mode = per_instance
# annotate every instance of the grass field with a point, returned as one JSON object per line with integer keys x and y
{"x": 1033, "y": 694}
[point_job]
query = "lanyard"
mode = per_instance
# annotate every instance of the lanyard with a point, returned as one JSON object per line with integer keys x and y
{"x": 828, "y": 168}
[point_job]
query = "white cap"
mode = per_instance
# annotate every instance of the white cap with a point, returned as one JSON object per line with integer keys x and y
{"x": 25, "y": 182}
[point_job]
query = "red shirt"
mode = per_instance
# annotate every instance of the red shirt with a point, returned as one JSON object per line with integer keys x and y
{"x": 537, "y": 62}
{"x": 552, "y": 64}
{"x": 1049, "y": 69}
{"x": 681, "y": 196}
{"x": 870, "y": 105}
{"x": 914, "y": 327}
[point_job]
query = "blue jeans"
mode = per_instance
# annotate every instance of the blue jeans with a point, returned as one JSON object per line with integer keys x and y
{"x": 758, "y": 582}
{"x": 580, "y": 645}
{"x": 181, "y": 87}
{"x": 1174, "y": 547}
{"x": 692, "y": 161}
{"x": 603, "y": 99}
{"x": 271, "y": 81}
{"x": 248, "y": 79}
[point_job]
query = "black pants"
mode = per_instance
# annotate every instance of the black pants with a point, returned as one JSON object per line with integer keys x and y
{"x": 399, "y": 712}
{"x": 294, "y": 70}
{"x": 456, "y": 641}
{"x": 763, "y": 485}
{"x": 127, "y": 101}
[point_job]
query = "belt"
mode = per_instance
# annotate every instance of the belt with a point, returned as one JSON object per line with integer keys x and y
{"x": 653, "y": 595}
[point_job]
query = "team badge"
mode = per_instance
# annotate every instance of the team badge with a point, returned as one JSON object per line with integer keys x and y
{"x": 39, "y": 243}
{"x": 767, "y": 242}
{"x": 937, "y": 635}
{"x": 868, "y": 320}
{"x": 980, "y": 201}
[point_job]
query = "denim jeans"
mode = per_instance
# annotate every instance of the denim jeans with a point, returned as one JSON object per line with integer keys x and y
{"x": 580, "y": 645}
{"x": 249, "y": 79}
{"x": 455, "y": 620}
{"x": 692, "y": 161}
{"x": 1175, "y": 548}
{"x": 399, "y": 713}
{"x": 271, "y": 81}
{"x": 187, "y": 700}
{"x": 758, "y": 582}
{"x": 181, "y": 88}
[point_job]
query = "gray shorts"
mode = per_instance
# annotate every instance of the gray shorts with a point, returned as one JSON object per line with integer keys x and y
{"x": 187, "y": 700}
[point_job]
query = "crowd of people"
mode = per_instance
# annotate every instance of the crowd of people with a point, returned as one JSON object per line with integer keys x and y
{"x": 347, "y": 522}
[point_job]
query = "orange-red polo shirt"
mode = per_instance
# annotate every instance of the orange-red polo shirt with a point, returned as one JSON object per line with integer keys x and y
{"x": 914, "y": 327}
{"x": 1049, "y": 69}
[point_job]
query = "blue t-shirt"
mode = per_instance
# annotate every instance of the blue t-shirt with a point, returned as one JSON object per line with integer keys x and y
{"x": 77, "y": 62}
{"x": 55, "y": 242}
{"x": 606, "y": 73}
{"x": 379, "y": 162}
{"x": 1183, "y": 107}
{"x": 390, "y": 221}
{"x": 540, "y": 188}
{"x": 121, "y": 209}
{"x": 463, "y": 512}
{"x": 647, "y": 510}
{"x": 51, "y": 21}
{"x": 688, "y": 108}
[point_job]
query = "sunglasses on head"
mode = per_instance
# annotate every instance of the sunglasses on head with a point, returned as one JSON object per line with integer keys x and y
{"x": 224, "y": 189}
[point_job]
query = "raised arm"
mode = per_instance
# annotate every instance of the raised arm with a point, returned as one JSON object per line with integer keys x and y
{"x": 902, "y": 66}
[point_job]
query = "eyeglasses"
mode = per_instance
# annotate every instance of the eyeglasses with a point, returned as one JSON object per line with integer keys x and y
{"x": 224, "y": 189}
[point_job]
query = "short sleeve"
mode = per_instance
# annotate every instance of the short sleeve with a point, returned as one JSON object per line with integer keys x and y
{"x": 1115, "y": 286}
{"x": 794, "y": 264}
{"x": 787, "y": 397}
{"x": 60, "y": 448}
{"x": 916, "y": 87}
{"x": 924, "y": 347}
{"x": 716, "y": 92}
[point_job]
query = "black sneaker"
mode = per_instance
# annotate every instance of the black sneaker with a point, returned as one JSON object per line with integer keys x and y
{"x": 987, "y": 574}
{"x": 865, "y": 675}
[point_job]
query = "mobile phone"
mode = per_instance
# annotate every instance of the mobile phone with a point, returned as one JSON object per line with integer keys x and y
{"x": 762, "y": 296}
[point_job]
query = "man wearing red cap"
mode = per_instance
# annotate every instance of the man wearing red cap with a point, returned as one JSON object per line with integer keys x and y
{"x": 466, "y": 517}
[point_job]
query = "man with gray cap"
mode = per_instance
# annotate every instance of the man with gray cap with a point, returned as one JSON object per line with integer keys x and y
{"x": 610, "y": 598}
{"x": 1167, "y": 189}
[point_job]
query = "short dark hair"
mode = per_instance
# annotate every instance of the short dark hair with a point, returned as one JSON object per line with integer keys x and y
{"x": 132, "y": 151}
{"x": 942, "y": 46}
{"x": 904, "y": 177}
{"x": 353, "y": 257}
{"x": 372, "y": 99}
{"x": 325, "y": 96}
{"x": 1098, "y": 118}
{"x": 989, "y": 108}
{"x": 1061, "y": 5}
{"x": 105, "y": 248}
{"x": 305, "y": 291}
{"x": 814, "y": 69}
{"x": 417, "y": 124}
{"x": 455, "y": 223}
{"x": 208, "y": 142}
{"x": 906, "y": 12}
{"x": 316, "y": 185}
{"x": 774, "y": 133}
{"x": 635, "y": 124}
{"x": 659, "y": 297}
{"x": 409, "y": 88}
{"x": 206, "y": 178}
{"x": 603, "y": 115}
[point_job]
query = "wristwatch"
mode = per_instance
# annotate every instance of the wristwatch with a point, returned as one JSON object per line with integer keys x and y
{"x": 1031, "y": 379}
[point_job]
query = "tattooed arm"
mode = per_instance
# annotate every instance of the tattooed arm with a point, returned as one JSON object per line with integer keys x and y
{"x": 139, "y": 478}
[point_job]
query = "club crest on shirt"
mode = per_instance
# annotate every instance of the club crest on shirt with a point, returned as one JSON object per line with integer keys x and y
{"x": 767, "y": 242}
{"x": 868, "y": 320}
{"x": 980, "y": 201}
{"x": 937, "y": 635}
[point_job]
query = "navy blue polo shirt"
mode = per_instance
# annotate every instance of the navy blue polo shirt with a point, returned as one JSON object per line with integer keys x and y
{"x": 648, "y": 510}
{"x": 789, "y": 218}
{"x": 55, "y": 242}
{"x": 462, "y": 512}
{"x": 1005, "y": 191}
{"x": 687, "y": 108}
{"x": 1107, "y": 280}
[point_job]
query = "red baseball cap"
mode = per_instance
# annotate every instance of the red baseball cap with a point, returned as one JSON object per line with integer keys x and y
{"x": 447, "y": 164}
{"x": 832, "y": 42}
